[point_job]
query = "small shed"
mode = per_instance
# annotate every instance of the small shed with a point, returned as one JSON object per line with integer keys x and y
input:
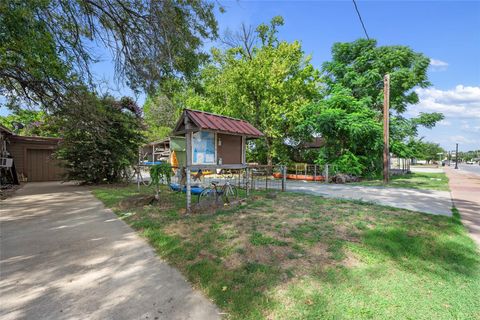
{"x": 213, "y": 141}
{"x": 32, "y": 156}
{"x": 155, "y": 152}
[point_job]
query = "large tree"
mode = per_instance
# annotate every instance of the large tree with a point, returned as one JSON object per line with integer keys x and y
{"x": 424, "y": 150}
{"x": 263, "y": 80}
{"x": 46, "y": 45}
{"x": 101, "y": 136}
{"x": 350, "y": 117}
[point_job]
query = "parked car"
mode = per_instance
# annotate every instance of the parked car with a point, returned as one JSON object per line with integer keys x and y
{"x": 470, "y": 162}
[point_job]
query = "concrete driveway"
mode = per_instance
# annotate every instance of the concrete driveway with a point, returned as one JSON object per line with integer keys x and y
{"x": 428, "y": 201}
{"x": 64, "y": 256}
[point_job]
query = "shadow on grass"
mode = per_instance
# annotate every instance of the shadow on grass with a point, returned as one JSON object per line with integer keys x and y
{"x": 427, "y": 253}
{"x": 240, "y": 291}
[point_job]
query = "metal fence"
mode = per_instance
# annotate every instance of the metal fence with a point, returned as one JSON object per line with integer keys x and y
{"x": 265, "y": 177}
{"x": 255, "y": 177}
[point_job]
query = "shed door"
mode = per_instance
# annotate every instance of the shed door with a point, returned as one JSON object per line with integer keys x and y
{"x": 41, "y": 166}
{"x": 230, "y": 149}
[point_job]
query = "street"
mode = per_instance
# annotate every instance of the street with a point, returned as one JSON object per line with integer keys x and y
{"x": 472, "y": 168}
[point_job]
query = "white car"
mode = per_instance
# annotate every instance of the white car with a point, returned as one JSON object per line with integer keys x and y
{"x": 470, "y": 162}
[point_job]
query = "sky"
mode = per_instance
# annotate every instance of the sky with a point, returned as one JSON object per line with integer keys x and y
{"x": 448, "y": 32}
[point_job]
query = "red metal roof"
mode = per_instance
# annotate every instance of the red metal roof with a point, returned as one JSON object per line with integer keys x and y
{"x": 209, "y": 121}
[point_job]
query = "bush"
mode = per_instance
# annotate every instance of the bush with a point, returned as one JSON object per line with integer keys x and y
{"x": 160, "y": 173}
{"x": 350, "y": 164}
{"x": 101, "y": 138}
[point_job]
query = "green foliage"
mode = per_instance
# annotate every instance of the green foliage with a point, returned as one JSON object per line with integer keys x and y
{"x": 426, "y": 150}
{"x": 101, "y": 138}
{"x": 159, "y": 173}
{"x": 45, "y": 48}
{"x": 350, "y": 128}
{"x": 350, "y": 116}
{"x": 360, "y": 66}
{"x": 469, "y": 155}
{"x": 35, "y": 123}
{"x": 403, "y": 130}
{"x": 266, "y": 84}
{"x": 349, "y": 163}
{"x": 31, "y": 64}
{"x": 162, "y": 109}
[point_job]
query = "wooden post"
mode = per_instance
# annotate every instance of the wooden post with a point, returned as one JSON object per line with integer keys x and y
{"x": 314, "y": 173}
{"x": 188, "y": 136}
{"x": 266, "y": 179}
{"x": 284, "y": 178}
{"x": 326, "y": 173}
{"x": 386, "y": 128}
{"x": 189, "y": 190}
{"x": 247, "y": 181}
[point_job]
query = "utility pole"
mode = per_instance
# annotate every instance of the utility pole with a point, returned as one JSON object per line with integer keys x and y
{"x": 386, "y": 128}
{"x": 456, "y": 157}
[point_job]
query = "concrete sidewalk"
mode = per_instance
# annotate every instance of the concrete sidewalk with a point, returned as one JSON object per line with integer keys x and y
{"x": 465, "y": 188}
{"x": 64, "y": 256}
{"x": 428, "y": 201}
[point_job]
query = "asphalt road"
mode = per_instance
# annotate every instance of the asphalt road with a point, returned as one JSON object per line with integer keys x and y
{"x": 472, "y": 168}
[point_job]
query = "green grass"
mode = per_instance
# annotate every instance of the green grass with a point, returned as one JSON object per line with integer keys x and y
{"x": 306, "y": 257}
{"x": 415, "y": 180}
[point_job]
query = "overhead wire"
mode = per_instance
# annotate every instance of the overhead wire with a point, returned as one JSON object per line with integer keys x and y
{"x": 361, "y": 20}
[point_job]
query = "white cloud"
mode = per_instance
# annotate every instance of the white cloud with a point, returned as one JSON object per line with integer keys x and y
{"x": 461, "y": 139}
{"x": 438, "y": 65}
{"x": 445, "y": 123}
{"x": 460, "y": 102}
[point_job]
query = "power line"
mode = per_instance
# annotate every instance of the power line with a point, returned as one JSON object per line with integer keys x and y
{"x": 361, "y": 20}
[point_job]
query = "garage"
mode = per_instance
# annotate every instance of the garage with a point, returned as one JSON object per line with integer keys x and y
{"x": 33, "y": 158}
{"x": 41, "y": 166}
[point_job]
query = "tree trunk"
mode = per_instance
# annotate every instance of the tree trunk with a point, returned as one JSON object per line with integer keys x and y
{"x": 268, "y": 142}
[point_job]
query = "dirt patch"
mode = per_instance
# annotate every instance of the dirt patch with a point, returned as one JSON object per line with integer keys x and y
{"x": 268, "y": 255}
{"x": 179, "y": 229}
{"x": 188, "y": 228}
{"x": 315, "y": 256}
{"x": 351, "y": 261}
{"x": 136, "y": 201}
{"x": 234, "y": 261}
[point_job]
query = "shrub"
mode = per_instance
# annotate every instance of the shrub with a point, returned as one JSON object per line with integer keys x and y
{"x": 350, "y": 164}
{"x": 160, "y": 173}
{"x": 101, "y": 138}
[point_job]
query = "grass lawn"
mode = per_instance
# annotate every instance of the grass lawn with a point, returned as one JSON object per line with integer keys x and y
{"x": 415, "y": 180}
{"x": 306, "y": 257}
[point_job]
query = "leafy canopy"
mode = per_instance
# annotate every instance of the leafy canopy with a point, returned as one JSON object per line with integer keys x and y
{"x": 361, "y": 65}
{"x": 423, "y": 150}
{"x": 263, "y": 80}
{"x": 46, "y": 45}
{"x": 35, "y": 123}
{"x": 349, "y": 118}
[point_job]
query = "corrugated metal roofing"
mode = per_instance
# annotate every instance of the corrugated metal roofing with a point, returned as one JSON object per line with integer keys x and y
{"x": 210, "y": 121}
